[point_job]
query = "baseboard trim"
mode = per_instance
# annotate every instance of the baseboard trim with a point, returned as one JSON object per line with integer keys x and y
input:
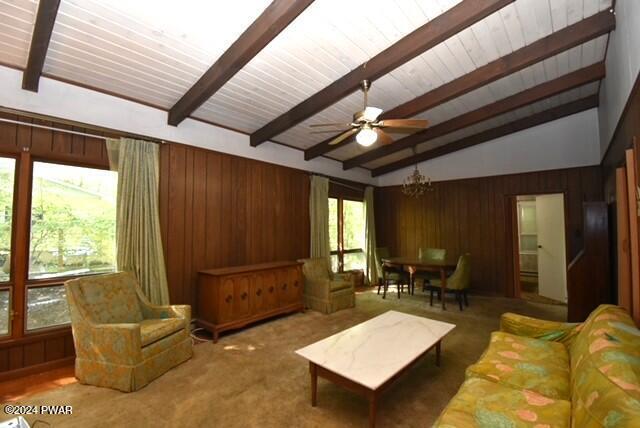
{"x": 36, "y": 368}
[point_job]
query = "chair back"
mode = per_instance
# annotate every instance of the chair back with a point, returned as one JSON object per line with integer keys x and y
{"x": 316, "y": 268}
{"x": 105, "y": 299}
{"x": 438, "y": 254}
{"x": 381, "y": 253}
{"x": 461, "y": 278}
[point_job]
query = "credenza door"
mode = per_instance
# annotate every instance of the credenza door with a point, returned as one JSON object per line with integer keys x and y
{"x": 270, "y": 281}
{"x": 241, "y": 296}
{"x": 225, "y": 300}
{"x": 258, "y": 294}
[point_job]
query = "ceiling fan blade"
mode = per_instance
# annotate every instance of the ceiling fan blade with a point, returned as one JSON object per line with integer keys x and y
{"x": 327, "y": 131}
{"x": 383, "y": 137}
{"x": 404, "y": 123}
{"x": 314, "y": 125}
{"x": 340, "y": 138}
{"x": 371, "y": 113}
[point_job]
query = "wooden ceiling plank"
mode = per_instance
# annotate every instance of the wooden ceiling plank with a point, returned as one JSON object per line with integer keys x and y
{"x": 545, "y": 116}
{"x": 545, "y": 90}
{"x": 42, "y": 30}
{"x": 560, "y": 41}
{"x": 275, "y": 18}
{"x": 432, "y": 33}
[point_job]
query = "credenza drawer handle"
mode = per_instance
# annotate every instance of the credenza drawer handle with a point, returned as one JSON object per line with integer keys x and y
{"x": 228, "y": 299}
{"x": 259, "y": 291}
{"x": 295, "y": 284}
{"x": 284, "y": 286}
{"x": 243, "y": 296}
{"x": 271, "y": 289}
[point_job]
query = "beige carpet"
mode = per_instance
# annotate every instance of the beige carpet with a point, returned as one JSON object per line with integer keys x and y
{"x": 253, "y": 378}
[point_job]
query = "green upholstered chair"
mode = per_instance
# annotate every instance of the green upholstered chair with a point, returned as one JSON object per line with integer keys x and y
{"x": 324, "y": 290}
{"x": 121, "y": 340}
{"x": 388, "y": 275}
{"x": 458, "y": 283}
{"x": 439, "y": 254}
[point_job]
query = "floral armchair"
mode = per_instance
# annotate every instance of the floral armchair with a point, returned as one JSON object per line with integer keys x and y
{"x": 324, "y": 290}
{"x": 122, "y": 341}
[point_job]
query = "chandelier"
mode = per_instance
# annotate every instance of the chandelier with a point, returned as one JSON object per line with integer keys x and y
{"x": 416, "y": 184}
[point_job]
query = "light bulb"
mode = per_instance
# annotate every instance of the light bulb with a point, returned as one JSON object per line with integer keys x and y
{"x": 366, "y": 136}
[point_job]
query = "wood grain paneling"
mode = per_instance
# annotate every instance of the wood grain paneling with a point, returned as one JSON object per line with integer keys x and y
{"x": 472, "y": 215}
{"x": 220, "y": 210}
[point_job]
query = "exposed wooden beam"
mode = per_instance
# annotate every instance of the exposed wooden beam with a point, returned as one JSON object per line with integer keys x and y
{"x": 540, "y": 50}
{"x": 491, "y": 134}
{"x": 275, "y": 18}
{"x": 422, "y": 39}
{"x": 45, "y": 20}
{"x": 545, "y": 90}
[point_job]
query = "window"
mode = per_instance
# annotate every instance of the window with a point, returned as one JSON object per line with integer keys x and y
{"x": 7, "y": 184}
{"x": 346, "y": 234}
{"x": 73, "y": 225}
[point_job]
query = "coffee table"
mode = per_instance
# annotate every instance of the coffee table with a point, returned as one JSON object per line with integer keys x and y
{"x": 368, "y": 357}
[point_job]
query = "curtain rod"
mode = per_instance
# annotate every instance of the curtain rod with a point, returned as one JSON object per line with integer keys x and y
{"x": 67, "y": 131}
{"x": 339, "y": 183}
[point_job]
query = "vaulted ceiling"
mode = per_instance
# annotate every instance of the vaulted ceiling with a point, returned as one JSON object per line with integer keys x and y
{"x": 476, "y": 69}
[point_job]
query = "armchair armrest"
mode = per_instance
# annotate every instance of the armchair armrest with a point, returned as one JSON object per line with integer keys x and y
{"x": 150, "y": 311}
{"x": 553, "y": 331}
{"x": 112, "y": 343}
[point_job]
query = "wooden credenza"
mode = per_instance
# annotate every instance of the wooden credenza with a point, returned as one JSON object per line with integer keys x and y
{"x": 233, "y": 297}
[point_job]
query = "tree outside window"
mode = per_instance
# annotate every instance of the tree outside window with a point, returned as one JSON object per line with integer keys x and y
{"x": 346, "y": 234}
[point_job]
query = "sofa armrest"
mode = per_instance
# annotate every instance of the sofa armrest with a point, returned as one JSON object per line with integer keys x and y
{"x": 112, "y": 343}
{"x": 553, "y": 331}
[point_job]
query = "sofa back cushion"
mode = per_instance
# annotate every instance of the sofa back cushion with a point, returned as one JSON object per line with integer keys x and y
{"x": 108, "y": 299}
{"x": 605, "y": 363}
{"x": 316, "y": 268}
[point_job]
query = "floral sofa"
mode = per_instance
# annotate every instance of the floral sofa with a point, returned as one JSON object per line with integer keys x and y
{"x": 122, "y": 341}
{"x": 544, "y": 374}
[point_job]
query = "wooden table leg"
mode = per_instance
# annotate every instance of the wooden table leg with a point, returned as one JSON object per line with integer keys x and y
{"x": 313, "y": 370}
{"x": 373, "y": 402}
{"x": 438, "y": 353}
{"x": 443, "y": 287}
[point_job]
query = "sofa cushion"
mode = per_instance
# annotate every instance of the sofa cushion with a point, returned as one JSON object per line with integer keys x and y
{"x": 110, "y": 299}
{"x": 483, "y": 404}
{"x": 153, "y": 330}
{"x": 525, "y": 363}
{"x": 339, "y": 285}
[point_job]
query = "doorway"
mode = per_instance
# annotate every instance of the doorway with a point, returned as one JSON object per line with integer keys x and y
{"x": 540, "y": 245}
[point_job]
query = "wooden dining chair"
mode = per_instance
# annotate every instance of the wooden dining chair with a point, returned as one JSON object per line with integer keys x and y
{"x": 458, "y": 283}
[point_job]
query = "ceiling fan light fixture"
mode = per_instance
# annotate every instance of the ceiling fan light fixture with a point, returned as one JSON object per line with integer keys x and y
{"x": 366, "y": 136}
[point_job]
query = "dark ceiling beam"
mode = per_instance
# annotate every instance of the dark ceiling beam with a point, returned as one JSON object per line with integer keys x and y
{"x": 419, "y": 41}
{"x": 545, "y": 90}
{"x": 558, "y": 42}
{"x": 275, "y": 18}
{"x": 491, "y": 134}
{"x": 45, "y": 20}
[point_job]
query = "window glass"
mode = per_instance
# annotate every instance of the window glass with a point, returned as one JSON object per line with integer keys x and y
{"x": 354, "y": 228}
{"x": 7, "y": 176}
{"x": 354, "y": 261}
{"x": 333, "y": 224}
{"x": 5, "y": 304}
{"x": 46, "y": 307}
{"x": 73, "y": 221}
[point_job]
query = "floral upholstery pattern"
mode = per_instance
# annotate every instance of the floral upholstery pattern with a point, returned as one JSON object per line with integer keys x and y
{"x": 601, "y": 361}
{"x": 126, "y": 342}
{"x": 324, "y": 290}
{"x": 484, "y": 404}
{"x": 525, "y": 363}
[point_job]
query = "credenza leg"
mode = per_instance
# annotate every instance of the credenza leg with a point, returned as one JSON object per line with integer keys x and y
{"x": 313, "y": 371}
{"x": 215, "y": 336}
{"x": 438, "y": 353}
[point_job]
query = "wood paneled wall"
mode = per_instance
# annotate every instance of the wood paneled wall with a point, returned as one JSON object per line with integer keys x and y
{"x": 35, "y": 352}
{"x": 220, "y": 210}
{"x": 472, "y": 215}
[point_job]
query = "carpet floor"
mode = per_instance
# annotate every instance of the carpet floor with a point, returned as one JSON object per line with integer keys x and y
{"x": 252, "y": 378}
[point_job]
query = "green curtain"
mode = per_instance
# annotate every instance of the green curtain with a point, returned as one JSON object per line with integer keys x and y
{"x": 371, "y": 272}
{"x": 319, "y": 216}
{"x": 138, "y": 238}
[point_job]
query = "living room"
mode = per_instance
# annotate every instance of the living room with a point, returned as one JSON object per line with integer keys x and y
{"x": 320, "y": 213}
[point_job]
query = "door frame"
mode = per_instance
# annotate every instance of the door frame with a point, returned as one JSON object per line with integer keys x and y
{"x": 513, "y": 256}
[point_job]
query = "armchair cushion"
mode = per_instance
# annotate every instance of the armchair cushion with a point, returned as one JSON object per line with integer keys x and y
{"x": 110, "y": 299}
{"x": 153, "y": 330}
{"x": 339, "y": 285}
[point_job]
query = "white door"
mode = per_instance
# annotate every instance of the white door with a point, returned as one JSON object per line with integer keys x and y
{"x": 552, "y": 266}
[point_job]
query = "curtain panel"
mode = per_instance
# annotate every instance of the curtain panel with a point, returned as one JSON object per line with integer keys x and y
{"x": 319, "y": 217}
{"x": 138, "y": 236}
{"x": 371, "y": 272}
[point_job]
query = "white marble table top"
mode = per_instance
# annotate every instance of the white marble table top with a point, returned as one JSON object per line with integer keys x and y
{"x": 372, "y": 352}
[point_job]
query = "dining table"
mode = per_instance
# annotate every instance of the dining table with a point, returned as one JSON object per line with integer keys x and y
{"x": 413, "y": 265}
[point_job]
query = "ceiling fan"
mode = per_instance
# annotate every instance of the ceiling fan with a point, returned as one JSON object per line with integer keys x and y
{"x": 366, "y": 126}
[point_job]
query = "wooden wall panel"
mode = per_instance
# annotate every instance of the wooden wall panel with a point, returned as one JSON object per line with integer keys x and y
{"x": 472, "y": 216}
{"x": 220, "y": 210}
